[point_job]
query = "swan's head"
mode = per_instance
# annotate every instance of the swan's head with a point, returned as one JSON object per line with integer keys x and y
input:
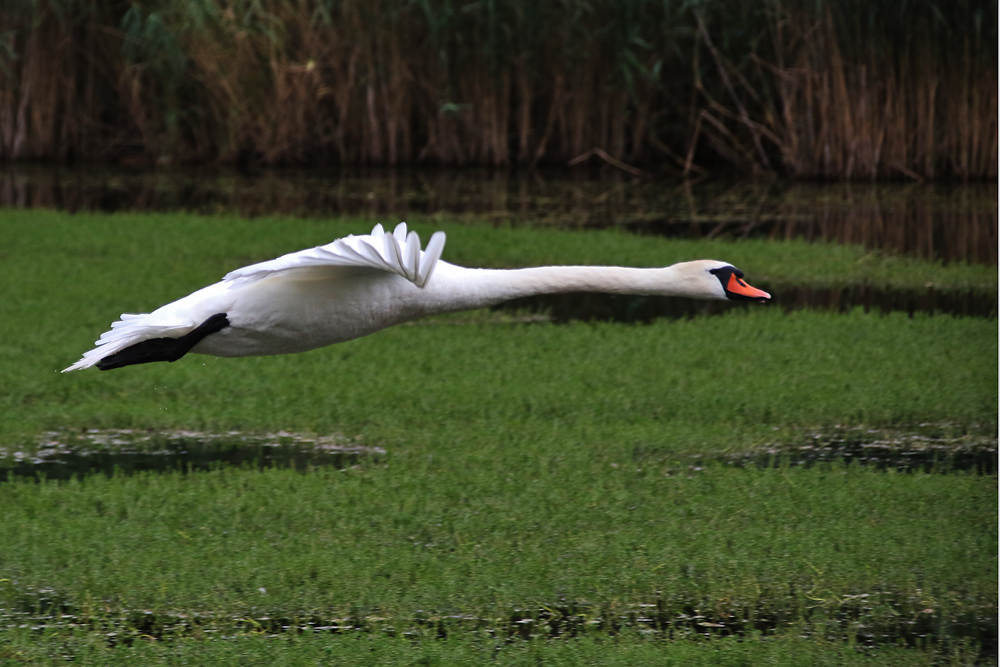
{"x": 718, "y": 280}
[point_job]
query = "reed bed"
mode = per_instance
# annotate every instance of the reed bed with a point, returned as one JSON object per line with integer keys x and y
{"x": 843, "y": 100}
{"x": 829, "y": 90}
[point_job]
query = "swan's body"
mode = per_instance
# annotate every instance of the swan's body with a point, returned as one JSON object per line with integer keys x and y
{"x": 360, "y": 284}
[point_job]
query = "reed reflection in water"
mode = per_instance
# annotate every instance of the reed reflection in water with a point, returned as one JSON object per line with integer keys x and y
{"x": 934, "y": 222}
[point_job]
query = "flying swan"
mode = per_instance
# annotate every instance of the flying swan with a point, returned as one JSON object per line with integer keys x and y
{"x": 360, "y": 284}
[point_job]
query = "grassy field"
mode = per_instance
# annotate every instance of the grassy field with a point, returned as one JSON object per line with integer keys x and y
{"x": 538, "y": 480}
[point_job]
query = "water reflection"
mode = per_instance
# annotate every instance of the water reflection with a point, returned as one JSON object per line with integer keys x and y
{"x": 635, "y": 309}
{"x": 936, "y": 222}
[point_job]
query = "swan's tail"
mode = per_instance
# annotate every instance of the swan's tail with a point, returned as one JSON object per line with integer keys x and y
{"x": 129, "y": 330}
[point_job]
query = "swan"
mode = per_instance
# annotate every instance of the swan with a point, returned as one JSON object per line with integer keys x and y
{"x": 357, "y": 285}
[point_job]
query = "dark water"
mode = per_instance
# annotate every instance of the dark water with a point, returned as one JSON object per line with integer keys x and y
{"x": 644, "y": 309}
{"x": 940, "y": 457}
{"x": 908, "y": 624}
{"x": 935, "y": 222}
{"x": 928, "y": 448}
{"x": 63, "y": 456}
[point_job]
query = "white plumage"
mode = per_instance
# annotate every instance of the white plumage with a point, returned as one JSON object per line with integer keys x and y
{"x": 398, "y": 252}
{"x": 357, "y": 285}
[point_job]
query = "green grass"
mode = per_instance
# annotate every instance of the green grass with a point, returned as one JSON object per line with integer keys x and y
{"x": 726, "y": 381}
{"x": 67, "y": 277}
{"x": 494, "y": 532}
{"x": 625, "y": 650}
{"x": 528, "y": 467}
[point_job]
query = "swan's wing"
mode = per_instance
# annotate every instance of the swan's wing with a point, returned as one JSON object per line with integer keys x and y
{"x": 398, "y": 252}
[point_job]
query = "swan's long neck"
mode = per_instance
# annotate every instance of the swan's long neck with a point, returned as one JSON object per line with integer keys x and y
{"x": 454, "y": 288}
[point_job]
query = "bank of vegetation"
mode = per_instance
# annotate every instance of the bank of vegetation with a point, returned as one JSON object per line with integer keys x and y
{"x": 847, "y": 91}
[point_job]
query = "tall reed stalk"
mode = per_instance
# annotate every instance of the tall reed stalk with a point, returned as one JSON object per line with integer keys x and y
{"x": 907, "y": 95}
{"x": 805, "y": 89}
{"x": 56, "y": 69}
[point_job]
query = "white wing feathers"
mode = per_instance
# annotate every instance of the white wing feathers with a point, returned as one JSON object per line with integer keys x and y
{"x": 397, "y": 253}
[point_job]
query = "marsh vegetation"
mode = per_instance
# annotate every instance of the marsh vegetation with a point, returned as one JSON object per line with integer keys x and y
{"x": 595, "y": 490}
{"x": 570, "y": 480}
{"x": 833, "y": 90}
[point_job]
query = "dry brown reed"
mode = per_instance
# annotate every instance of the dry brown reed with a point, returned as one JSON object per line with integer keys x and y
{"x": 921, "y": 112}
{"x": 387, "y": 82}
{"x": 50, "y": 98}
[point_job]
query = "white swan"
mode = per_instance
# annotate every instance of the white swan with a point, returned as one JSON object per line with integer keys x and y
{"x": 360, "y": 284}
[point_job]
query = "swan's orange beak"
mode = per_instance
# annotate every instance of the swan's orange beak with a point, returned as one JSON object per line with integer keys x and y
{"x": 738, "y": 286}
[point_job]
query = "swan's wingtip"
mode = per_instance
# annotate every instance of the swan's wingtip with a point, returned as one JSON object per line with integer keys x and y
{"x": 400, "y": 233}
{"x": 78, "y": 366}
{"x": 435, "y": 246}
